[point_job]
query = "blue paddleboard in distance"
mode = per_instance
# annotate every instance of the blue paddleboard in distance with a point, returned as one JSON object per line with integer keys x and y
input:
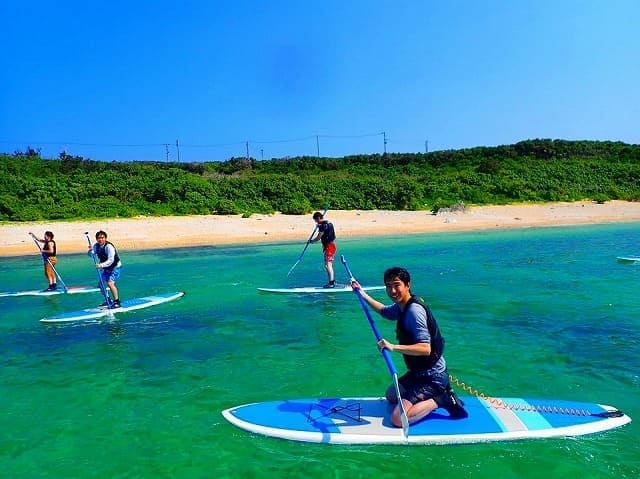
{"x": 340, "y": 288}
{"x": 366, "y": 420}
{"x": 60, "y": 290}
{"x": 127, "y": 305}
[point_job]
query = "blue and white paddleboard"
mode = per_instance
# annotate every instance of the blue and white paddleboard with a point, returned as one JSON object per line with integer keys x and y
{"x": 340, "y": 288}
{"x": 36, "y": 292}
{"x": 366, "y": 421}
{"x": 128, "y": 305}
{"x": 628, "y": 259}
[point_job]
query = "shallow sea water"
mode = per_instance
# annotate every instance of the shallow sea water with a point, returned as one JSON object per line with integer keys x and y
{"x": 534, "y": 312}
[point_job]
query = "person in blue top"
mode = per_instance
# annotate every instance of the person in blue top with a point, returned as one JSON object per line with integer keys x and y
{"x": 327, "y": 236}
{"x": 109, "y": 263}
{"x": 425, "y": 386}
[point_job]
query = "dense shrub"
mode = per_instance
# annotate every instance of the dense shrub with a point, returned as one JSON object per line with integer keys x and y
{"x": 70, "y": 187}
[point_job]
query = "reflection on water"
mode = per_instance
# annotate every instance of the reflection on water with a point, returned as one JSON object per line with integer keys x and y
{"x": 540, "y": 313}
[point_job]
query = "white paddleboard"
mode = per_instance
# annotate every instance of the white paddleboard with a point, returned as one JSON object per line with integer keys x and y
{"x": 128, "y": 305}
{"x": 366, "y": 420}
{"x": 628, "y": 259}
{"x": 340, "y": 288}
{"x": 36, "y": 292}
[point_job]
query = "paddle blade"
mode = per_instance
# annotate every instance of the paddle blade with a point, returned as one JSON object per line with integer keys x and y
{"x": 403, "y": 413}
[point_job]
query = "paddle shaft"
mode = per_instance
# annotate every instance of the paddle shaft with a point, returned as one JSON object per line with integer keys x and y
{"x": 46, "y": 258}
{"x": 385, "y": 352}
{"x": 307, "y": 243}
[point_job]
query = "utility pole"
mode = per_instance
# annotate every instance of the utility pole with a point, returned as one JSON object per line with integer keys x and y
{"x": 166, "y": 150}
{"x": 261, "y": 154}
{"x": 318, "y": 146}
{"x": 178, "y": 150}
{"x": 426, "y": 146}
{"x": 384, "y": 136}
{"x": 247, "y": 151}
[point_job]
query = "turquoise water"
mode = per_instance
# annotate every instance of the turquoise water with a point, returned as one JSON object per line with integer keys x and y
{"x": 532, "y": 312}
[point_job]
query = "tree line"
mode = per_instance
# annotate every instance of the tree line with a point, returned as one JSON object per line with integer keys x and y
{"x": 71, "y": 187}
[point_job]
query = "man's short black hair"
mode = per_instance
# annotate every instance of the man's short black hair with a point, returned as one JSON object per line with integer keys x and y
{"x": 397, "y": 272}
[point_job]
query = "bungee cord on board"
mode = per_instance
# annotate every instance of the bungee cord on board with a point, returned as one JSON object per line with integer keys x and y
{"x": 499, "y": 403}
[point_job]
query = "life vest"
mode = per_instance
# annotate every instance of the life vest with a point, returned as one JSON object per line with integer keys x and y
{"x": 101, "y": 252}
{"x": 328, "y": 232}
{"x": 46, "y": 246}
{"x": 420, "y": 363}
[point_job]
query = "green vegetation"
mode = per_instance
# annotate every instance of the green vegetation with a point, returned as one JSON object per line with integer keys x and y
{"x": 33, "y": 188}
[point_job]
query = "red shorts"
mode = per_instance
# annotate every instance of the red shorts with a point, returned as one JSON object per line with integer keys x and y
{"x": 329, "y": 252}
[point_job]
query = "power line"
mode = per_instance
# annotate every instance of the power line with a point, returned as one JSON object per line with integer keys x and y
{"x": 317, "y": 137}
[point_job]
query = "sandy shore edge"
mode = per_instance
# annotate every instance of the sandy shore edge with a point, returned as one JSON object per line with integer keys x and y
{"x": 188, "y": 231}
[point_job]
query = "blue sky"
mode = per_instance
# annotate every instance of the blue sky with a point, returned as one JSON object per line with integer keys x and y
{"x": 119, "y": 80}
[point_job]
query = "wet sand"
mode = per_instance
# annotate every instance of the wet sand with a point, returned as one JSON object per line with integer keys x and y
{"x": 186, "y": 231}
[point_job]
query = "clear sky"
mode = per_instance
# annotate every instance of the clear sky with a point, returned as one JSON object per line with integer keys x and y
{"x": 119, "y": 80}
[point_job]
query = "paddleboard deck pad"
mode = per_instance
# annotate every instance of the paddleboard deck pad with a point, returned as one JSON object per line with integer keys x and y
{"x": 366, "y": 421}
{"x": 128, "y": 305}
{"x": 340, "y": 288}
{"x": 39, "y": 292}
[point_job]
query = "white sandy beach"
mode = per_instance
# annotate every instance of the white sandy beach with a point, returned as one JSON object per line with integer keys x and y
{"x": 182, "y": 231}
